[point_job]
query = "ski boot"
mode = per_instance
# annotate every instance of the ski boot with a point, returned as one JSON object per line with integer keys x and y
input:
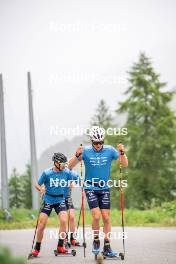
{"x": 34, "y": 253}
{"x": 61, "y": 250}
{"x": 107, "y": 251}
{"x": 74, "y": 243}
{"x": 96, "y": 247}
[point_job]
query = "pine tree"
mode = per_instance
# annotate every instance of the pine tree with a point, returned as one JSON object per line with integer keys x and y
{"x": 15, "y": 190}
{"x": 102, "y": 117}
{"x": 151, "y": 136}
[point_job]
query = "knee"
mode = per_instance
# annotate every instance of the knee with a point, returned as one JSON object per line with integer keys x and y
{"x": 72, "y": 218}
{"x": 106, "y": 219}
{"x": 96, "y": 217}
{"x": 63, "y": 220}
{"x": 41, "y": 225}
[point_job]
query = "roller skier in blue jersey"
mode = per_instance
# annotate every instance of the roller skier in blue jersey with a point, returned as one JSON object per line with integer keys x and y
{"x": 52, "y": 184}
{"x": 97, "y": 160}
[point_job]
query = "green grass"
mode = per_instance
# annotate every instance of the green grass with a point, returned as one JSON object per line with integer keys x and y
{"x": 6, "y": 257}
{"x": 154, "y": 217}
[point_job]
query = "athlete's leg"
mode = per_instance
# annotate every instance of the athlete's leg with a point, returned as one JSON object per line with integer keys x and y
{"x": 72, "y": 220}
{"x": 43, "y": 218}
{"x": 96, "y": 215}
{"x": 105, "y": 206}
{"x": 92, "y": 199}
{"x": 63, "y": 224}
{"x": 107, "y": 223}
{"x": 107, "y": 229}
{"x": 104, "y": 203}
{"x": 61, "y": 211}
{"x": 62, "y": 232}
{"x": 73, "y": 231}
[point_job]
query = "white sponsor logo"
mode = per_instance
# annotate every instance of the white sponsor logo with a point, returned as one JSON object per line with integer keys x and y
{"x": 54, "y": 182}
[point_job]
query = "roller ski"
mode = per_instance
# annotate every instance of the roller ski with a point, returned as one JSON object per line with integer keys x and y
{"x": 35, "y": 251}
{"x": 62, "y": 251}
{"x": 108, "y": 253}
{"x": 96, "y": 247}
{"x": 33, "y": 254}
{"x": 113, "y": 255}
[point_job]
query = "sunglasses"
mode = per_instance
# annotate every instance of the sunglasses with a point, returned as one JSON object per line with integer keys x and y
{"x": 63, "y": 164}
{"x": 98, "y": 143}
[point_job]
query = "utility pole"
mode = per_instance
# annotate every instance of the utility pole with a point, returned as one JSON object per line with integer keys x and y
{"x": 34, "y": 169}
{"x": 4, "y": 178}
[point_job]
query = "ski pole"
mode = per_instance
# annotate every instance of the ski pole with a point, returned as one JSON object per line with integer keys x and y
{"x": 68, "y": 225}
{"x": 41, "y": 199}
{"x": 82, "y": 205}
{"x": 122, "y": 204}
{"x": 79, "y": 217}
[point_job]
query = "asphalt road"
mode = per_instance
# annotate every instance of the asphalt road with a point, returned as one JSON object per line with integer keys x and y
{"x": 143, "y": 246}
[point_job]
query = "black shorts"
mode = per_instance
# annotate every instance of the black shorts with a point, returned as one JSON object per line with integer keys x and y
{"x": 47, "y": 208}
{"x": 69, "y": 203}
{"x": 100, "y": 198}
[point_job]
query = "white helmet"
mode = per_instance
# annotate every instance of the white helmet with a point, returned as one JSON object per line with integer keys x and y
{"x": 97, "y": 133}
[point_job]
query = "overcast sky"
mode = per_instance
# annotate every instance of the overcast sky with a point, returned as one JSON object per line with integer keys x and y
{"x": 77, "y": 52}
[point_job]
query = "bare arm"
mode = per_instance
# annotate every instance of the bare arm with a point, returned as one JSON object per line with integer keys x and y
{"x": 40, "y": 188}
{"x": 73, "y": 162}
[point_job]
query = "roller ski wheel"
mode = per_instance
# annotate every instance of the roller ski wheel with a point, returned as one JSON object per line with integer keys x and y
{"x": 33, "y": 254}
{"x": 73, "y": 252}
{"x": 122, "y": 256}
{"x": 99, "y": 259}
{"x": 58, "y": 253}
